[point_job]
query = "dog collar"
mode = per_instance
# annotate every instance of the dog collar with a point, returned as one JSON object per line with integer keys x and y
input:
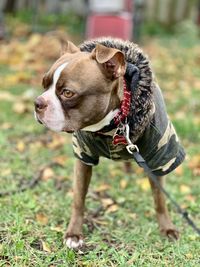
{"x": 120, "y": 118}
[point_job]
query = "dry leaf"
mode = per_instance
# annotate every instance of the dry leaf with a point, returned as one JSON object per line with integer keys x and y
{"x": 143, "y": 184}
{"x": 106, "y": 202}
{"x": 112, "y": 208}
{"x": 19, "y": 108}
{"x": 45, "y": 247}
{"x": 6, "y": 126}
{"x": 47, "y": 174}
{"x": 61, "y": 160}
{"x": 196, "y": 171}
{"x": 57, "y": 229}
{"x": 190, "y": 198}
{"x": 185, "y": 189}
{"x": 20, "y": 146}
{"x": 7, "y": 96}
{"x": 123, "y": 183}
{"x": 133, "y": 215}
{"x": 100, "y": 221}
{"x": 102, "y": 187}
{"x": 41, "y": 218}
{"x": 6, "y": 172}
{"x": 189, "y": 255}
{"x": 179, "y": 170}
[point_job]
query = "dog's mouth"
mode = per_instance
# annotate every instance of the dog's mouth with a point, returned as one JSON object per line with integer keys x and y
{"x": 67, "y": 130}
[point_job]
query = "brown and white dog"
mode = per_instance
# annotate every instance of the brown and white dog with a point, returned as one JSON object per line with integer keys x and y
{"x": 83, "y": 91}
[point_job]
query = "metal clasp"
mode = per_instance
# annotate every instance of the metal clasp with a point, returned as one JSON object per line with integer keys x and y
{"x": 130, "y": 147}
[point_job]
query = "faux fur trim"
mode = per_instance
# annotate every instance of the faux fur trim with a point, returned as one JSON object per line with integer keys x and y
{"x": 142, "y": 101}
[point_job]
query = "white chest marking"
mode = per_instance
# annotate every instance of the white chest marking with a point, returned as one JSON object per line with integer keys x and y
{"x": 99, "y": 125}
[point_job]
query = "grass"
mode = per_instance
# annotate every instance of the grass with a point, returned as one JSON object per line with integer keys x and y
{"x": 32, "y": 223}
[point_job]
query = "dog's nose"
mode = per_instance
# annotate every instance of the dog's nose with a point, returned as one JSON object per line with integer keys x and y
{"x": 40, "y": 104}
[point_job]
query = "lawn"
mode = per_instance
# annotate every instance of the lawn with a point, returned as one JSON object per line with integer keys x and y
{"x": 120, "y": 225}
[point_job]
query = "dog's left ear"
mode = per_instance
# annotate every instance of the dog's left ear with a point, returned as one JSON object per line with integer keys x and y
{"x": 68, "y": 47}
{"x": 112, "y": 60}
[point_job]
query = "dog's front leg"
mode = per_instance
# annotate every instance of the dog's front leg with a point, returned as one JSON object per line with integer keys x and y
{"x": 82, "y": 176}
{"x": 166, "y": 226}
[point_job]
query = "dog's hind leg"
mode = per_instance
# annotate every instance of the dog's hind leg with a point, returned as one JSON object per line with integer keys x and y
{"x": 165, "y": 224}
{"x": 82, "y": 176}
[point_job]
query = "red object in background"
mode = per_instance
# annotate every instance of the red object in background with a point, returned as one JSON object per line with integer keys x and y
{"x": 119, "y": 25}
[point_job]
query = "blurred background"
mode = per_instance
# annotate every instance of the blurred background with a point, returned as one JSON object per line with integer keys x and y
{"x": 30, "y": 35}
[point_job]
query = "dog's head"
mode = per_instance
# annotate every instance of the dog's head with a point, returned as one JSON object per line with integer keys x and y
{"x": 81, "y": 88}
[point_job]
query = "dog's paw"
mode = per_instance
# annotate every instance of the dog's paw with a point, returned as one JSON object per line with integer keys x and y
{"x": 74, "y": 242}
{"x": 171, "y": 233}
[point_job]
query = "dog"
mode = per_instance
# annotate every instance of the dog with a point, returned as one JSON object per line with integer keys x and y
{"x": 94, "y": 91}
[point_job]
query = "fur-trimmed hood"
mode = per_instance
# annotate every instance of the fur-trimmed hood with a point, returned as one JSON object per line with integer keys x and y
{"x": 142, "y": 100}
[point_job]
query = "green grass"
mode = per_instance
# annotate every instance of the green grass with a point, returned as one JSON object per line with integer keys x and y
{"x": 32, "y": 223}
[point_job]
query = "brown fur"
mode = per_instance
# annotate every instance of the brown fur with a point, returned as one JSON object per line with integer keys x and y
{"x": 96, "y": 81}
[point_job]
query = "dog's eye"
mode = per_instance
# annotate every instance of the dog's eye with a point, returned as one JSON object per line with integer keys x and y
{"x": 67, "y": 93}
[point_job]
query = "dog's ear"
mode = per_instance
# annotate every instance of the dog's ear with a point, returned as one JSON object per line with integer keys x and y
{"x": 112, "y": 60}
{"x": 68, "y": 47}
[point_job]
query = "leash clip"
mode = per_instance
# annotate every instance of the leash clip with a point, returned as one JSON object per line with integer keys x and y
{"x": 130, "y": 147}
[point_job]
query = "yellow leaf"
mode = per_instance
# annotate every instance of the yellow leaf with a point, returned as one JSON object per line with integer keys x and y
{"x": 185, "y": 189}
{"x": 100, "y": 221}
{"x": 61, "y": 160}
{"x": 112, "y": 208}
{"x": 123, "y": 183}
{"x": 45, "y": 247}
{"x": 6, "y": 126}
{"x": 57, "y": 229}
{"x": 41, "y": 218}
{"x": 7, "y": 96}
{"x": 5, "y": 172}
{"x": 189, "y": 255}
{"x": 106, "y": 202}
{"x": 102, "y": 187}
{"x": 20, "y": 146}
{"x": 143, "y": 184}
{"x": 19, "y": 107}
{"x": 179, "y": 170}
{"x": 47, "y": 174}
{"x": 133, "y": 215}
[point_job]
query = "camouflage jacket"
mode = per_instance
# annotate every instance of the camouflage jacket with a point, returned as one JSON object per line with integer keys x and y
{"x": 151, "y": 130}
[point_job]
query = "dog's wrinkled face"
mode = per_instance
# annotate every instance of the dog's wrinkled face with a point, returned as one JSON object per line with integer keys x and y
{"x": 80, "y": 88}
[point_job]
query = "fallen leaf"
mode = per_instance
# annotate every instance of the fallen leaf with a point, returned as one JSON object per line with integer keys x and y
{"x": 189, "y": 255}
{"x": 57, "y": 141}
{"x": 123, "y": 183}
{"x": 133, "y": 215}
{"x": 6, "y": 126}
{"x": 179, "y": 170}
{"x": 7, "y": 96}
{"x": 190, "y": 198}
{"x": 61, "y": 160}
{"x": 196, "y": 171}
{"x": 185, "y": 189}
{"x": 45, "y": 247}
{"x": 41, "y": 218}
{"x": 6, "y": 172}
{"x": 143, "y": 184}
{"x": 47, "y": 174}
{"x": 100, "y": 221}
{"x": 57, "y": 229}
{"x": 112, "y": 208}
{"x": 106, "y": 202}
{"x": 103, "y": 187}
{"x": 19, "y": 108}
{"x": 20, "y": 146}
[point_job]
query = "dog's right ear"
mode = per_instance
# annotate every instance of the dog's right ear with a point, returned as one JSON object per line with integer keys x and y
{"x": 112, "y": 60}
{"x": 68, "y": 47}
